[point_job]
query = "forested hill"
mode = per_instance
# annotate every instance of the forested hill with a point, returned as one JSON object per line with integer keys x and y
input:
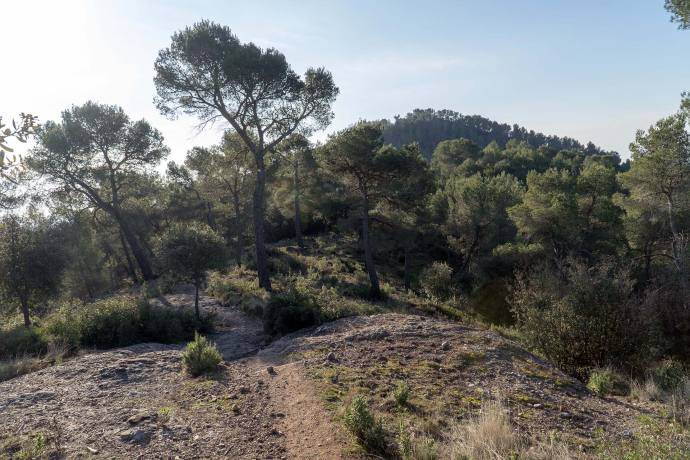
{"x": 428, "y": 127}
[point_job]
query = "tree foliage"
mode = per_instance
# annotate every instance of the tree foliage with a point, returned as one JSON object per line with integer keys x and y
{"x": 208, "y": 73}
{"x": 376, "y": 174}
{"x": 188, "y": 251}
{"x": 32, "y": 261}
{"x": 429, "y": 127}
{"x": 96, "y": 154}
{"x": 680, "y": 12}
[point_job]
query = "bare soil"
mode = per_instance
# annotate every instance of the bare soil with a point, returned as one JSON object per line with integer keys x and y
{"x": 107, "y": 402}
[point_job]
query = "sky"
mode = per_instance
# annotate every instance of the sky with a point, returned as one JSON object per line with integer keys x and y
{"x": 592, "y": 70}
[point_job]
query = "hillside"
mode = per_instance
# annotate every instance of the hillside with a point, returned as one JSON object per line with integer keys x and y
{"x": 429, "y": 127}
{"x": 106, "y": 403}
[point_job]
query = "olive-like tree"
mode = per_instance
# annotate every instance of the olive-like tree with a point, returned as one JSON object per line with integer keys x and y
{"x": 95, "y": 153}
{"x": 208, "y": 73}
{"x": 186, "y": 252}
{"x": 32, "y": 261}
{"x": 376, "y": 173}
{"x": 22, "y": 132}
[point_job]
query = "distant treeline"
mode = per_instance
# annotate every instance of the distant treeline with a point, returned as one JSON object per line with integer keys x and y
{"x": 429, "y": 127}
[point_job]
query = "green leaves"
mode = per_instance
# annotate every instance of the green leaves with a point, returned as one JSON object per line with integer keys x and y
{"x": 207, "y": 72}
{"x": 27, "y": 128}
{"x": 186, "y": 252}
{"x": 680, "y": 12}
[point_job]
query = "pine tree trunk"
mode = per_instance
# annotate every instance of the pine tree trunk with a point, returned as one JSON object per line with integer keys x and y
{"x": 407, "y": 267}
{"x": 239, "y": 228}
{"x": 209, "y": 216}
{"x": 368, "y": 256}
{"x": 678, "y": 250}
{"x": 130, "y": 265}
{"x": 86, "y": 279}
{"x": 196, "y": 302}
{"x": 298, "y": 218}
{"x": 138, "y": 253}
{"x": 264, "y": 273}
{"x": 25, "y": 312}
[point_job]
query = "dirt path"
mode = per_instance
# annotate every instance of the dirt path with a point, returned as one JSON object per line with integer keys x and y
{"x": 106, "y": 403}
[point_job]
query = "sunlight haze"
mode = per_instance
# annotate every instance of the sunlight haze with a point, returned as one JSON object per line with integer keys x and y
{"x": 594, "y": 71}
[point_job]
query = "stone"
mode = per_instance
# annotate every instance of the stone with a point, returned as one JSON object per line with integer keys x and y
{"x": 445, "y": 346}
{"x": 138, "y": 436}
{"x": 134, "y": 419}
{"x": 270, "y": 370}
{"x": 92, "y": 450}
{"x": 537, "y": 406}
{"x": 331, "y": 356}
{"x": 565, "y": 415}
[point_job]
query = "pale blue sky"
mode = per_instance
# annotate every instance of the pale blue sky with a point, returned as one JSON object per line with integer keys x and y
{"x": 592, "y": 70}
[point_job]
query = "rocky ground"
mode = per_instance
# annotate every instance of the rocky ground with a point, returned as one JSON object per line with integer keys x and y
{"x": 105, "y": 404}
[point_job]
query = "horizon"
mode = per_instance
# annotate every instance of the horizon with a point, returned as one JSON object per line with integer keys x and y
{"x": 582, "y": 75}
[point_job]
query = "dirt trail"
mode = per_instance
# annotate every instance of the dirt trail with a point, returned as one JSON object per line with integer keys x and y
{"x": 107, "y": 402}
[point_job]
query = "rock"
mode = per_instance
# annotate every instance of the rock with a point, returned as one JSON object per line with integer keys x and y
{"x": 134, "y": 419}
{"x": 138, "y": 436}
{"x": 92, "y": 450}
{"x": 537, "y": 406}
{"x": 235, "y": 408}
{"x": 270, "y": 370}
{"x": 445, "y": 346}
{"x": 331, "y": 356}
{"x": 565, "y": 414}
{"x": 244, "y": 389}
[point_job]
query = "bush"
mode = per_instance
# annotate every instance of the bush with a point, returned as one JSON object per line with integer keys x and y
{"x": 580, "y": 318}
{"x": 305, "y": 304}
{"x": 201, "y": 357}
{"x": 111, "y": 323}
{"x": 606, "y": 382}
{"x": 21, "y": 340}
{"x": 401, "y": 394}
{"x": 669, "y": 375}
{"x": 435, "y": 281}
{"x": 360, "y": 423}
{"x": 292, "y": 310}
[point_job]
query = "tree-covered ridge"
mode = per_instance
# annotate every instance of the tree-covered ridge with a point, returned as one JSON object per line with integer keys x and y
{"x": 429, "y": 127}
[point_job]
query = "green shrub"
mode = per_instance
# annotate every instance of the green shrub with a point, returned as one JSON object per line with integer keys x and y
{"x": 292, "y": 310}
{"x": 361, "y": 424}
{"x": 21, "y": 340}
{"x": 358, "y": 419}
{"x": 305, "y": 303}
{"x": 115, "y": 322}
{"x": 163, "y": 417}
{"x": 401, "y": 394}
{"x": 122, "y": 321}
{"x": 404, "y": 441}
{"x": 605, "y": 382}
{"x": 435, "y": 281}
{"x": 201, "y": 357}
{"x": 578, "y": 316}
{"x": 669, "y": 375}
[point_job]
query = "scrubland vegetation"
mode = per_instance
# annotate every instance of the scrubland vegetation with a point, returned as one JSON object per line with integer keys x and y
{"x": 562, "y": 247}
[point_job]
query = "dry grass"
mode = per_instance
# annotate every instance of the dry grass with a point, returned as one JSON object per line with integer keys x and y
{"x": 491, "y": 435}
{"x": 16, "y": 366}
{"x": 25, "y": 363}
{"x": 646, "y": 390}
